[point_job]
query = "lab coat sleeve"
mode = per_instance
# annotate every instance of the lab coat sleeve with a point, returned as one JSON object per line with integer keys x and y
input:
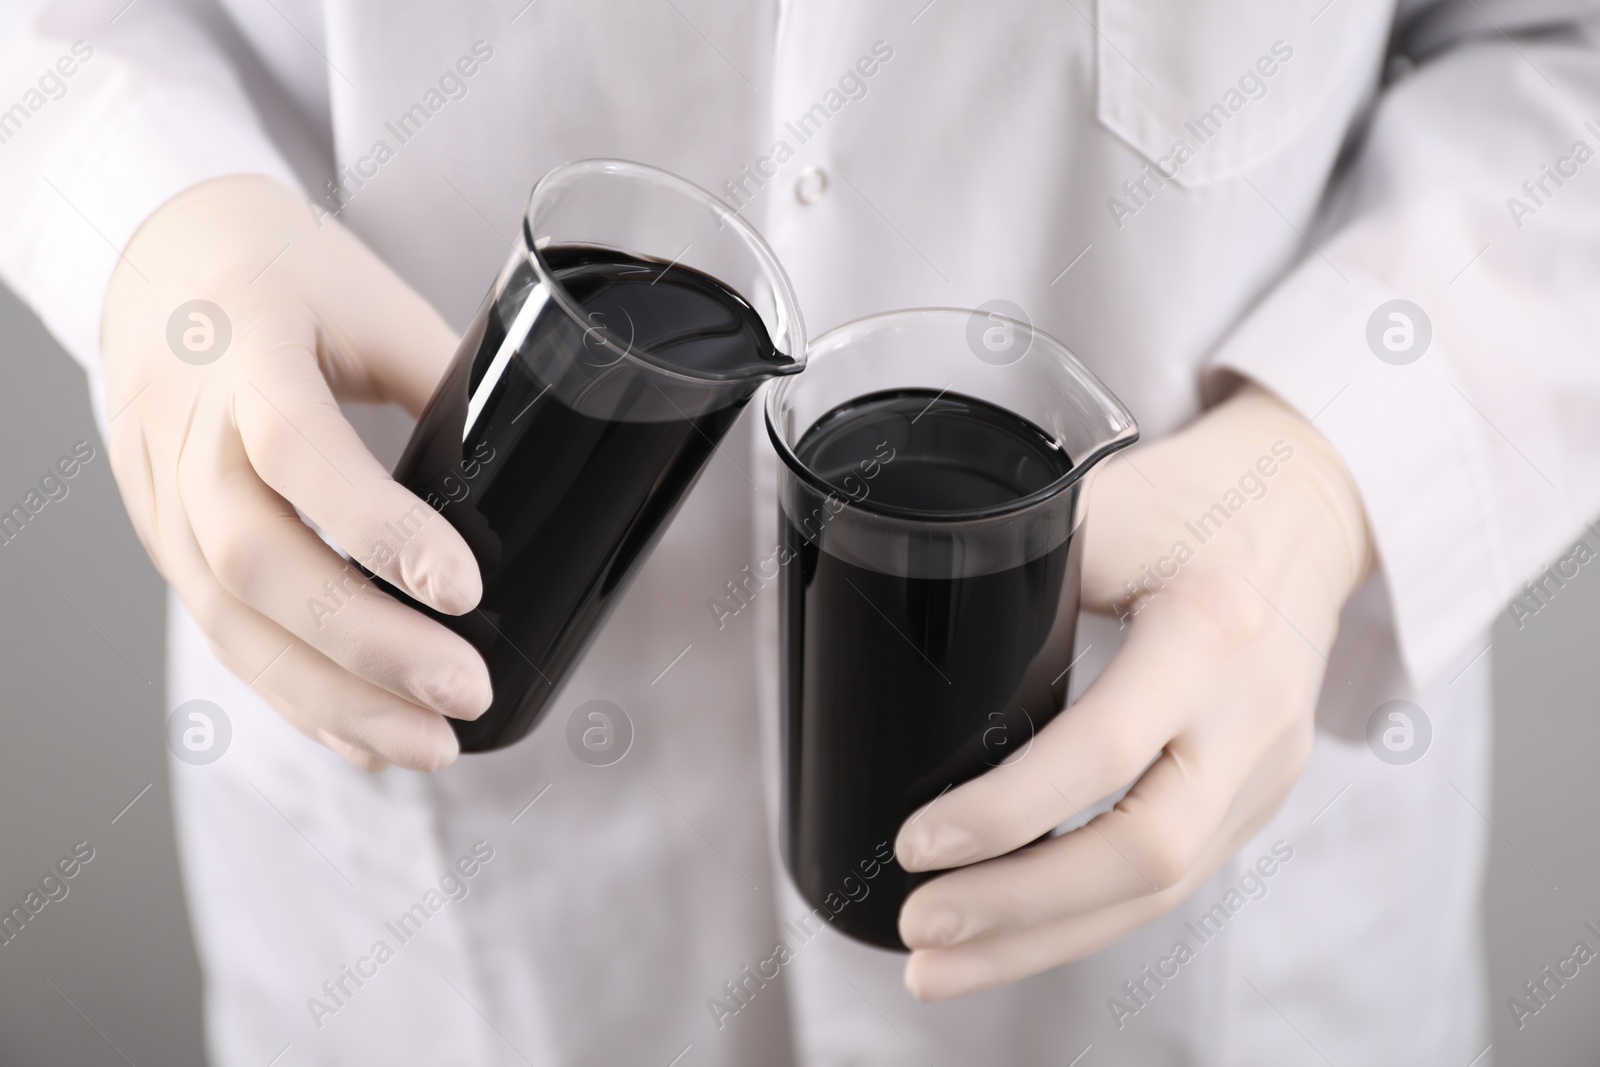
{"x": 151, "y": 107}
{"x": 1478, "y": 462}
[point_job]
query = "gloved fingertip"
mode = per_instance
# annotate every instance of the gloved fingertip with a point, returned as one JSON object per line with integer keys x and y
{"x": 459, "y": 690}
{"x": 908, "y": 849}
{"x": 359, "y": 758}
{"x": 939, "y": 975}
{"x": 931, "y": 846}
{"x": 456, "y": 586}
{"x": 485, "y": 697}
{"x": 446, "y": 750}
{"x": 930, "y": 927}
{"x": 910, "y": 979}
{"x": 921, "y": 981}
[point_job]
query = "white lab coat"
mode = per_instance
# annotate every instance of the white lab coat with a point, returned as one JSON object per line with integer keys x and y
{"x": 1000, "y": 152}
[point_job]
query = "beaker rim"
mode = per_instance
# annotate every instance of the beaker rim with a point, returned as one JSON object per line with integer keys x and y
{"x": 786, "y": 306}
{"x": 1121, "y": 431}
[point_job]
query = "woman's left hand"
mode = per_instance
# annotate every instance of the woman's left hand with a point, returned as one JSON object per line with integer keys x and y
{"x": 1228, "y": 549}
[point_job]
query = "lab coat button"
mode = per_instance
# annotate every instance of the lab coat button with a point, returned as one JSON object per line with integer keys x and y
{"x": 811, "y": 184}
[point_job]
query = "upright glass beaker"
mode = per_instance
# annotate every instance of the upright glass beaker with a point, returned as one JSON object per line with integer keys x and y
{"x": 932, "y": 505}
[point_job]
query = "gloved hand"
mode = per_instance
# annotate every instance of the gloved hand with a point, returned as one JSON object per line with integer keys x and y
{"x": 1211, "y": 698}
{"x": 213, "y": 454}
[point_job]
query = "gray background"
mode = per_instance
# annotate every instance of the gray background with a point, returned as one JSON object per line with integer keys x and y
{"x": 108, "y": 975}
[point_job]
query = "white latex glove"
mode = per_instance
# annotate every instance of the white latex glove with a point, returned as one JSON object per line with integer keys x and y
{"x": 213, "y": 458}
{"x": 1216, "y": 684}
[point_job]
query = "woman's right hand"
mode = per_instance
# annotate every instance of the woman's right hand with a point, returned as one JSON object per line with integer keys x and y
{"x": 216, "y": 440}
